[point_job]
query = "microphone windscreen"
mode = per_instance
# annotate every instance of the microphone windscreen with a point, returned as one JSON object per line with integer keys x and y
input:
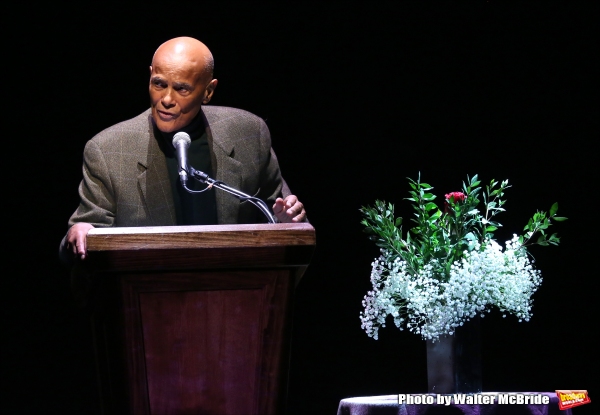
{"x": 181, "y": 137}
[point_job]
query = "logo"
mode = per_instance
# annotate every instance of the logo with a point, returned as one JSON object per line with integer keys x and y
{"x": 570, "y": 398}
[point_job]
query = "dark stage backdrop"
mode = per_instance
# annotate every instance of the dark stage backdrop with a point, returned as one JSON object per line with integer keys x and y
{"x": 357, "y": 99}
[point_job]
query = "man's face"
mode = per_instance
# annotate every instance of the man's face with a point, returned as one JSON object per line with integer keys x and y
{"x": 178, "y": 88}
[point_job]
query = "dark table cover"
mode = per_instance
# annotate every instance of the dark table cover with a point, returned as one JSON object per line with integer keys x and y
{"x": 388, "y": 405}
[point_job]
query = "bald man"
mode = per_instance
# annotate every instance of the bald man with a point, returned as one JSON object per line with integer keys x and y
{"x": 130, "y": 172}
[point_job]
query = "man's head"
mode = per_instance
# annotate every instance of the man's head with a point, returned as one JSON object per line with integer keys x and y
{"x": 180, "y": 82}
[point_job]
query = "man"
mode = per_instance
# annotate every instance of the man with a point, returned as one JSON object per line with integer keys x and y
{"x": 130, "y": 173}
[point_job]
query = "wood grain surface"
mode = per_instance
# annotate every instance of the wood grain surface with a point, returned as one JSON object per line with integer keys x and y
{"x": 208, "y": 236}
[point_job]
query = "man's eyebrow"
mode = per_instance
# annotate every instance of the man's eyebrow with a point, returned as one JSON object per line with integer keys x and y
{"x": 177, "y": 85}
{"x": 184, "y": 85}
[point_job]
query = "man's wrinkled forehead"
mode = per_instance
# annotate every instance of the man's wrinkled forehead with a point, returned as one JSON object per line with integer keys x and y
{"x": 170, "y": 64}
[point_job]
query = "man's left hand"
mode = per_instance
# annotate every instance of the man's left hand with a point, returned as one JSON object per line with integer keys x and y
{"x": 289, "y": 210}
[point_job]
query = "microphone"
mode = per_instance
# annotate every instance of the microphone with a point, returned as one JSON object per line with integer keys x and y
{"x": 181, "y": 142}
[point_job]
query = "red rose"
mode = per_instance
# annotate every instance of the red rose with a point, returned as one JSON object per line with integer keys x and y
{"x": 456, "y": 196}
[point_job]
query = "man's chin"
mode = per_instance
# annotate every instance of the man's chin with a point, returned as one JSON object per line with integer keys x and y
{"x": 166, "y": 129}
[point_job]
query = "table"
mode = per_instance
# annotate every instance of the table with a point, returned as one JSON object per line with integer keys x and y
{"x": 479, "y": 404}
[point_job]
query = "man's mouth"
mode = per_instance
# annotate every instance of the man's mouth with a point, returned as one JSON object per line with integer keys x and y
{"x": 166, "y": 116}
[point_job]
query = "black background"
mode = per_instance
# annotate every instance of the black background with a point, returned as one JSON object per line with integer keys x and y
{"x": 357, "y": 99}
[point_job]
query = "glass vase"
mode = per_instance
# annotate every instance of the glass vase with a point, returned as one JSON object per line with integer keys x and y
{"x": 454, "y": 362}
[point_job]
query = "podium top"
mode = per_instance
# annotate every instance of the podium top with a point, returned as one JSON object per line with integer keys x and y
{"x": 207, "y": 236}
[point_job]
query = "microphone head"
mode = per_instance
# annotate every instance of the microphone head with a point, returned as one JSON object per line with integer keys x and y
{"x": 181, "y": 138}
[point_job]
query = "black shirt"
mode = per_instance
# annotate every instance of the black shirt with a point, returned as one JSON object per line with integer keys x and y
{"x": 190, "y": 209}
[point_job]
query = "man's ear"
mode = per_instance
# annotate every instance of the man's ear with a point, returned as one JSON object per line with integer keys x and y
{"x": 209, "y": 91}
{"x": 150, "y": 70}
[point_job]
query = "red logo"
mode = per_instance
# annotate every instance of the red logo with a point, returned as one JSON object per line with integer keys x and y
{"x": 570, "y": 398}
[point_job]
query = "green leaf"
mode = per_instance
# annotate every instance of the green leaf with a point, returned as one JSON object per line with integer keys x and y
{"x": 553, "y": 209}
{"x": 490, "y": 229}
{"x": 559, "y": 218}
{"x": 430, "y": 206}
{"x": 428, "y": 196}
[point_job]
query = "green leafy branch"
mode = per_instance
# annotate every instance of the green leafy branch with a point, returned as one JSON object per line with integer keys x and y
{"x": 493, "y": 202}
{"x": 540, "y": 222}
{"x": 439, "y": 239}
{"x": 386, "y": 232}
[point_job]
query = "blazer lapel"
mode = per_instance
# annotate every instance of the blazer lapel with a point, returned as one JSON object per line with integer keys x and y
{"x": 153, "y": 180}
{"x": 224, "y": 168}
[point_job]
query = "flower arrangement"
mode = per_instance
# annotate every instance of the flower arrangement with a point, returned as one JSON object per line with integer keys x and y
{"x": 448, "y": 268}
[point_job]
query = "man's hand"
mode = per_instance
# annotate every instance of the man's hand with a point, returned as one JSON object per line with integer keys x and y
{"x": 289, "y": 209}
{"x": 76, "y": 239}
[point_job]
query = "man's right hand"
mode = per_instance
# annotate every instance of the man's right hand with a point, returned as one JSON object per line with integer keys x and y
{"x": 76, "y": 239}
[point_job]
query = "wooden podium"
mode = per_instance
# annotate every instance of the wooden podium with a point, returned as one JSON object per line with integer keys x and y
{"x": 195, "y": 319}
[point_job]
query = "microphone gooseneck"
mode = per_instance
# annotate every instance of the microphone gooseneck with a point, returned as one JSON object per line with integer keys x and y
{"x": 181, "y": 142}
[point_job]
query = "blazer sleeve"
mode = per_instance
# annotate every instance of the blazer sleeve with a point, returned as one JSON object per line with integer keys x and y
{"x": 271, "y": 182}
{"x": 97, "y": 203}
{"x": 273, "y": 185}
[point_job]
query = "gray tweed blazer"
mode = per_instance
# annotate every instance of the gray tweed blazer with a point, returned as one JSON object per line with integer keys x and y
{"x": 126, "y": 183}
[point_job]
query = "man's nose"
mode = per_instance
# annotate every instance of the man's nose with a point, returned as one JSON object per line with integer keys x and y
{"x": 167, "y": 99}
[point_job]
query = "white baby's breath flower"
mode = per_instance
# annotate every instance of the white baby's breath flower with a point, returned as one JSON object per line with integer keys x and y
{"x": 483, "y": 278}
